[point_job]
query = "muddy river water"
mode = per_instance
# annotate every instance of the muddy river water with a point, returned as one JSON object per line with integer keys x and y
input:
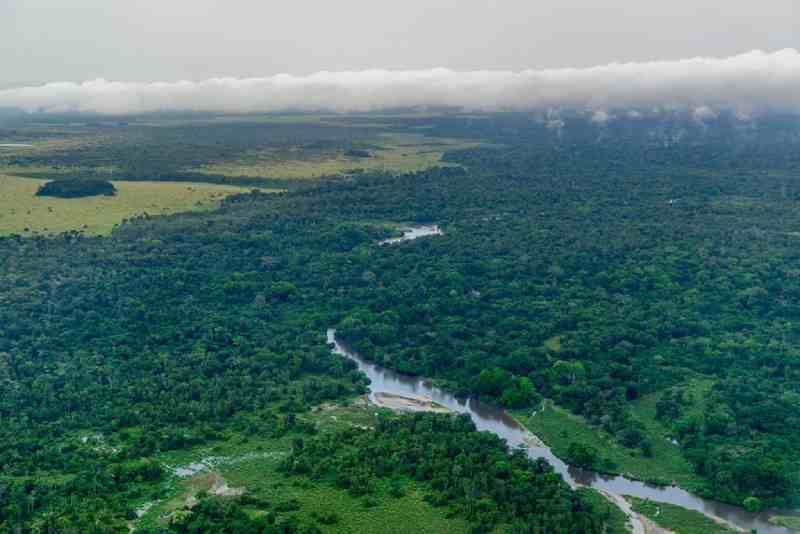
{"x": 499, "y": 422}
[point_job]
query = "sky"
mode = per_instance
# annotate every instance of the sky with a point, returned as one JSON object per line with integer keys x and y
{"x": 120, "y": 56}
{"x": 169, "y": 40}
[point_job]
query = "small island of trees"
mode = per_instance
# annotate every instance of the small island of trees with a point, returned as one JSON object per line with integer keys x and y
{"x": 357, "y": 153}
{"x": 76, "y": 188}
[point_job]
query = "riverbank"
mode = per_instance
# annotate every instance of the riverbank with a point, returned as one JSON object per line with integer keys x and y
{"x": 671, "y": 518}
{"x": 491, "y": 418}
{"x": 402, "y": 403}
{"x": 559, "y": 428}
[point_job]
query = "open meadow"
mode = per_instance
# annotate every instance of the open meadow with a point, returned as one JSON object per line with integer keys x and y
{"x": 387, "y": 152}
{"x": 22, "y": 212}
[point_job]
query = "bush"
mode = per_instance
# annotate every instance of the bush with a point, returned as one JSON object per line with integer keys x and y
{"x": 581, "y": 455}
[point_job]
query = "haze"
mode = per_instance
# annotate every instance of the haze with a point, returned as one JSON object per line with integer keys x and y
{"x": 147, "y": 40}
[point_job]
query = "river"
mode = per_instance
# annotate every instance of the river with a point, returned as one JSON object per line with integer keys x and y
{"x": 499, "y": 422}
{"x": 413, "y": 232}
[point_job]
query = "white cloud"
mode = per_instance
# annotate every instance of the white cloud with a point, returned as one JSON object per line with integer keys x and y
{"x": 746, "y": 84}
{"x": 601, "y": 117}
{"x": 704, "y": 113}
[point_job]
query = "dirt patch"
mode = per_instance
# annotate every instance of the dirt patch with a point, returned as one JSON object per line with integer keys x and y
{"x": 221, "y": 489}
{"x": 325, "y": 407}
{"x": 212, "y": 483}
{"x": 651, "y": 528}
{"x": 362, "y": 401}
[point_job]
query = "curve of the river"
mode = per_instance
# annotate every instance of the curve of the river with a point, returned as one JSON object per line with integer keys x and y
{"x": 499, "y": 422}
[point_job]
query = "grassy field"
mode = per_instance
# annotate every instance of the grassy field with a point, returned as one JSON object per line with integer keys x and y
{"x": 677, "y": 519}
{"x": 24, "y": 213}
{"x": 558, "y": 428}
{"x": 790, "y": 522}
{"x": 250, "y": 464}
{"x": 395, "y": 153}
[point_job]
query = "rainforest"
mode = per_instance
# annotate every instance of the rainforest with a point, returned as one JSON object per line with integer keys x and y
{"x": 627, "y": 291}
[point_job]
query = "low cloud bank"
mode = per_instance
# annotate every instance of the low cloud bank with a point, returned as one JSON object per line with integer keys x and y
{"x": 746, "y": 84}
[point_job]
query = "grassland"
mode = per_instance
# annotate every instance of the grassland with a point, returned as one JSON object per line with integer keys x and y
{"x": 558, "y": 428}
{"x": 677, "y": 519}
{"x": 790, "y": 522}
{"x": 394, "y": 153}
{"x": 22, "y": 212}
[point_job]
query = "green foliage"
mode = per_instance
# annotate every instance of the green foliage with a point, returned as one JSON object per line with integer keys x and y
{"x": 616, "y": 522}
{"x": 357, "y": 153}
{"x": 225, "y": 516}
{"x": 599, "y": 271}
{"x": 582, "y": 455}
{"x": 471, "y": 472}
{"x": 76, "y": 188}
{"x": 790, "y": 522}
{"x": 677, "y": 519}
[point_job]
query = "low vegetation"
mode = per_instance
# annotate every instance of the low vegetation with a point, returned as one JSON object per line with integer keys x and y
{"x": 790, "y": 522}
{"x": 677, "y": 519}
{"x": 579, "y": 443}
{"x": 391, "y": 153}
{"x": 23, "y": 212}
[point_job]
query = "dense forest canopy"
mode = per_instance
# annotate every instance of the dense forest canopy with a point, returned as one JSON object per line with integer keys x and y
{"x": 586, "y": 264}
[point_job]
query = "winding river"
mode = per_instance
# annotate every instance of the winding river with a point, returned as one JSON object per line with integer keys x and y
{"x": 499, "y": 422}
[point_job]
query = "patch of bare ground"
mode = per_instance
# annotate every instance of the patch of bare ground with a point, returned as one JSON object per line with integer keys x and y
{"x": 637, "y": 523}
{"x": 402, "y": 403}
{"x": 651, "y": 528}
{"x": 210, "y": 482}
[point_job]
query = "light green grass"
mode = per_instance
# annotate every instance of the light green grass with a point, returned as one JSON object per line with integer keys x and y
{"x": 558, "y": 428}
{"x": 676, "y": 518}
{"x": 395, "y": 153}
{"x": 22, "y": 212}
{"x": 252, "y": 463}
{"x": 790, "y": 522}
{"x": 410, "y": 510}
{"x": 553, "y": 343}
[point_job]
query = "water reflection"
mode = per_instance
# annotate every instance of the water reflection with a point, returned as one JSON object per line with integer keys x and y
{"x": 499, "y": 422}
